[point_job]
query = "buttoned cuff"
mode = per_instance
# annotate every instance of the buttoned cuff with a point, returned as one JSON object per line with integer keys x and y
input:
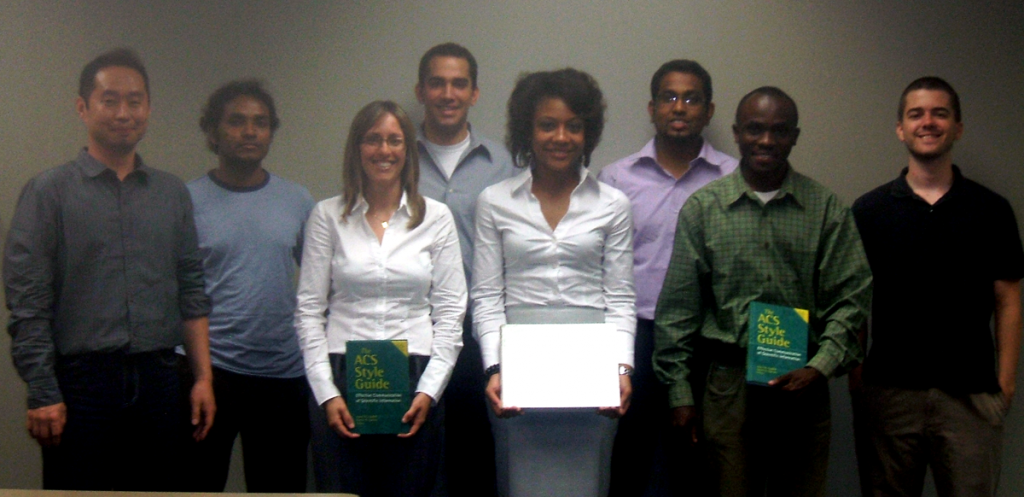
{"x": 627, "y": 342}
{"x": 195, "y": 306}
{"x": 680, "y": 395}
{"x": 44, "y": 392}
{"x": 825, "y": 364}
{"x": 321, "y": 384}
{"x": 434, "y": 379}
{"x": 490, "y": 347}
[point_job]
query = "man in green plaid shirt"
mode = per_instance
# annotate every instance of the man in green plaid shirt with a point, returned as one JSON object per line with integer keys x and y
{"x": 772, "y": 235}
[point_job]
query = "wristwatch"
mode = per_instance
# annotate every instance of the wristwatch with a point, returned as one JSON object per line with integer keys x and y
{"x": 492, "y": 369}
{"x": 625, "y": 370}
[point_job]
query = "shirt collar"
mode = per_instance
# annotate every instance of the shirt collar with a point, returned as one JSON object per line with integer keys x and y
{"x": 523, "y": 183}
{"x": 901, "y": 188}
{"x": 474, "y": 141}
{"x": 708, "y": 156}
{"x": 93, "y": 168}
{"x": 212, "y": 174}
{"x": 362, "y": 206}
{"x": 739, "y": 189}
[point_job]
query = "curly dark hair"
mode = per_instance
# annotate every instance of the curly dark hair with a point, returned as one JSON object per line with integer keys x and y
{"x": 576, "y": 88}
{"x": 213, "y": 111}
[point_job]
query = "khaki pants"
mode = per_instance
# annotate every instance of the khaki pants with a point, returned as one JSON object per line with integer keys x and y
{"x": 960, "y": 437}
{"x": 764, "y": 441}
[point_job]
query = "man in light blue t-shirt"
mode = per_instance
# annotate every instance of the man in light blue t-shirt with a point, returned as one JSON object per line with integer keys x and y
{"x": 250, "y": 226}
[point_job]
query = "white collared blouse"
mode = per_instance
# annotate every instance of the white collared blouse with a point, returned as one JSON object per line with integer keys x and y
{"x": 410, "y": 285}
{"x": 586, "y": 261}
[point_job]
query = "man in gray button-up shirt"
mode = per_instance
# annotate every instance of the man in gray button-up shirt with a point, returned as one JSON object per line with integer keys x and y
{"x": 103, "y": 279}
{"x": 455, "y": 166}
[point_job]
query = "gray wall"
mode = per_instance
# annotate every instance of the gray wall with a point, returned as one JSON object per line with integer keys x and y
{"x": 844, "y": 62}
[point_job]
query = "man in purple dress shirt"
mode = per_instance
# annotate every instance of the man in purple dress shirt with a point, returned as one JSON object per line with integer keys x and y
{"x": 657, "y": 180}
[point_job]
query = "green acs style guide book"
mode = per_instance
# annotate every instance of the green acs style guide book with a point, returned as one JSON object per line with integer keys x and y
{"x": 378, "y": 385}
{"x": 777, "y": 341}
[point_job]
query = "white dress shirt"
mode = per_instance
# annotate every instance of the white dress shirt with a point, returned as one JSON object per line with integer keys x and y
{"x": 410, "y": 286}
{"x": 586, "y": 261}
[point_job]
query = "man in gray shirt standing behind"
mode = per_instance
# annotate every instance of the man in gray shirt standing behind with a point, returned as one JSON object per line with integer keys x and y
{"x": 103, "y": 280}
{"x": 455, "y": 166}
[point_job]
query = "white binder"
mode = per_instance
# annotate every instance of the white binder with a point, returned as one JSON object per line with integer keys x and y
{"x": 559, "y": 365}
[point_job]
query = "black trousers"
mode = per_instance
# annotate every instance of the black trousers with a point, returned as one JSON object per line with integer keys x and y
{"x": 469, "y": 446}
{"x": 650, "y": 457}
{"x": 271, "y": 415}
{"x": 124, "y": 424}
{"x": 376, "y": 465}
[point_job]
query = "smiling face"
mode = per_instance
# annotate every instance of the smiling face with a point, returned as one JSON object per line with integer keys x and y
{"x": 765, "y": 132}
{"x": 117, "y": 111}
{"x": 684, "y": 118}
{"x": 382, "y": 153}
{"x": 243, "y": 135}
{"x": 447, "y": 93}
{"x": 928, "y": 126}
{"x": 558, "y": 136}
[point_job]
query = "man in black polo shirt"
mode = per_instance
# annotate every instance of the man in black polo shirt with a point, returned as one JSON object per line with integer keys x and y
{"x": 946, "y": 256}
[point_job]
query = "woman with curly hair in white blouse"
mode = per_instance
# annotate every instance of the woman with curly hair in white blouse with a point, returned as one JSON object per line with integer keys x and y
{"x": 380, "y": 262}
{"x": 553, "y": 245}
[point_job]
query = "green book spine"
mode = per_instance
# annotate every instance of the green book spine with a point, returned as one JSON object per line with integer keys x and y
{"x": 378, "y": 385}
{"x": 777, "y": 341}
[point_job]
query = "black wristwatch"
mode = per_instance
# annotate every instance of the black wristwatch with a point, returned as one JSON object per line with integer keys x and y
{"x": 492, "y": 369}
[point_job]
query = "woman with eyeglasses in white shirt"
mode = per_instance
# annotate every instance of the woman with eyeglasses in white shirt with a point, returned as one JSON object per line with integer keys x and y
{"x": 553, "y": 245}
{"x": 380, "y": 262}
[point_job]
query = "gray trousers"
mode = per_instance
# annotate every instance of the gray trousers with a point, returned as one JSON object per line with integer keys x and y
{"x": 553, "y": 452}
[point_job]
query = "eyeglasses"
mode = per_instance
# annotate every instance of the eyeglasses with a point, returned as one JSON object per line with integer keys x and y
{"x": 376, "y": 141}
{"x": 669, "y": 98}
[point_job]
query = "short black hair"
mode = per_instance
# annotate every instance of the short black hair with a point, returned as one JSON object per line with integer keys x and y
{"x": 576, "y": 88}
{"x": 686, "y": 67}
{"x": 930, "y": 83}
{"x": 449, "y": 49}
{"x": 118, "y": 57}
{"x": 213, "y": 112}
{"x": 770, "y": 91}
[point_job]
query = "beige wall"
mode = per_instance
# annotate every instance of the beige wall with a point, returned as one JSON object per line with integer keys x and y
{"x": 844, "y": 62}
